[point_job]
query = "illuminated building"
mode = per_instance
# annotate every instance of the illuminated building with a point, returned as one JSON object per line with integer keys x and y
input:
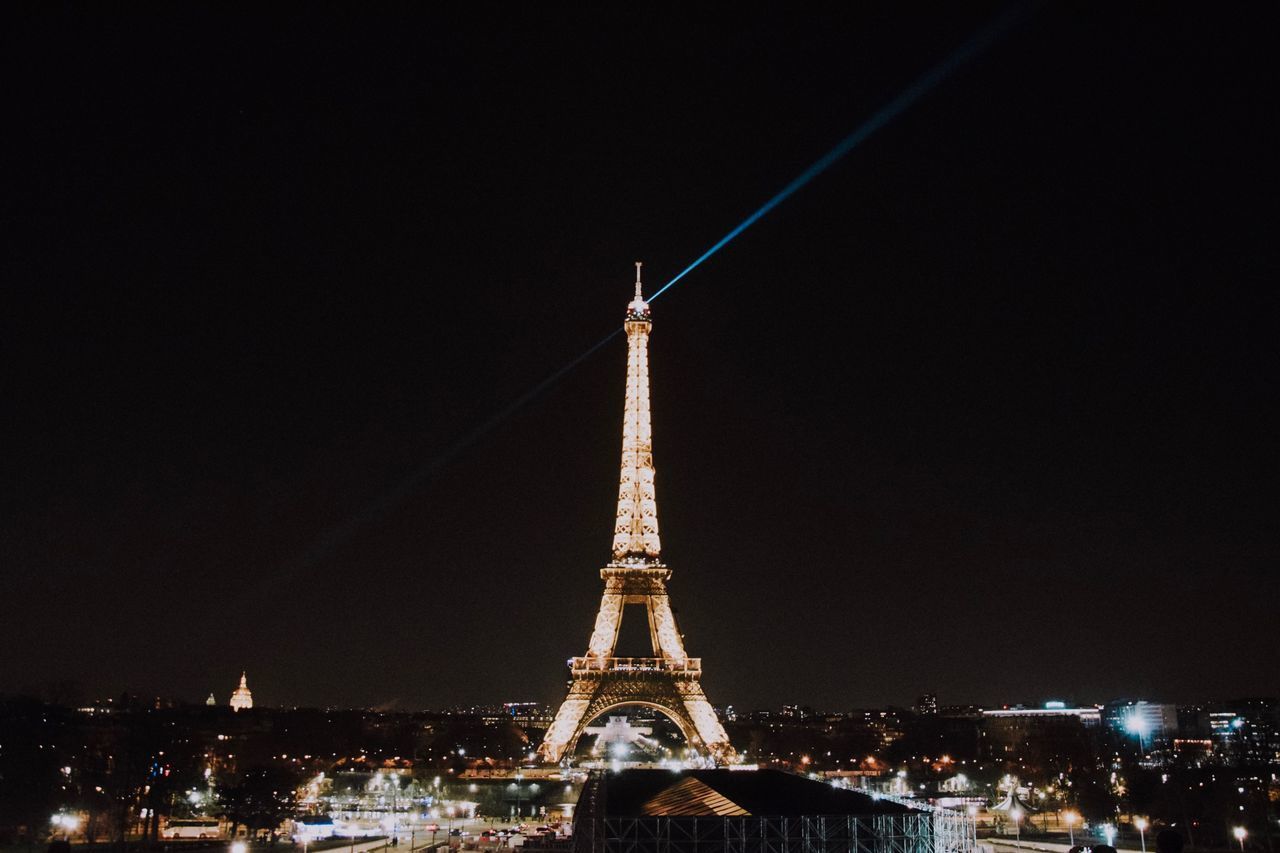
{"x": 670, "y": 680}
{"x": 526, "y": 714}
{"x": 1090, "y": 715}
{"x": 1147, "y": 722}
{"x": 1049, "y": 734}
{"x": 1246, "y": 729}
{"x": 618, "y": 735}
{"x": 242, "y": 699}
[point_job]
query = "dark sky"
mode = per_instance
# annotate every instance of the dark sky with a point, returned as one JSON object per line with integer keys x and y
{"x": 988, "y": 409}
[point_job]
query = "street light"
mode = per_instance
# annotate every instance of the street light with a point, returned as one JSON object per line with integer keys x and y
{"x": 1136, "y": 723}
{"x": 1070, "y": 819}
{"x": 68, "y": 823}
{"x": 1240, "y": 833}
{"x": 1016, "y": 814}
{"x": 1141, "y": 824}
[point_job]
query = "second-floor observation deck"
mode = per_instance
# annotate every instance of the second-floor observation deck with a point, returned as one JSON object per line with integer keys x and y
{"x": 597, "y": 665}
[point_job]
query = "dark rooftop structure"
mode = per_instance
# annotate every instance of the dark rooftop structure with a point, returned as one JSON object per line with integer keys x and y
{"x": 637, "y": 793}
{"x": 754, "y": 811}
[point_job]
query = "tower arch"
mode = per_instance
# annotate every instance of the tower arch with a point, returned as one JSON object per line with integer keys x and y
{"x": 677, "y": 718}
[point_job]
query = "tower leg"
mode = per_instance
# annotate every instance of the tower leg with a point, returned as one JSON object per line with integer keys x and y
{"x": 662, "y": 624}
{"x": 608, "y": 619}
{"x": 568, "y": 723}
{"x": 708, "y": 726}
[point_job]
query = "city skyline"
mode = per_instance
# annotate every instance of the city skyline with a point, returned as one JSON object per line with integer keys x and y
{"x": 982, "y": 412}
{"x": 71, "y": 694}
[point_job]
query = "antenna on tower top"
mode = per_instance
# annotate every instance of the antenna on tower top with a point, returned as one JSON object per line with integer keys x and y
{"x": 638, "y": 265}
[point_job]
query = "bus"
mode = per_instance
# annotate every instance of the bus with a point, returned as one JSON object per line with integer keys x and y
{"x": 200, "y": 827}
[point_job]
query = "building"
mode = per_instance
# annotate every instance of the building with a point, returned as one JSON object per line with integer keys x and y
{"x": 1149, "y": 723}
{"x": 1047, "y": 735}
{"x": 657, "y": 811}
{"x": 528, "y": 714}
{"x": 1089, "y": 715}
{"x": 1246, "y": 730}
{"x": 242, "y": 698}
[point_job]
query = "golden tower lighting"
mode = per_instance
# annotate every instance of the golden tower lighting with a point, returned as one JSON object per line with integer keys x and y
{"x": 670, "y": 680}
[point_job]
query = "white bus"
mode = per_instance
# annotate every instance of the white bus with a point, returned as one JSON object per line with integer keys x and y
{"x": 200, "y": 827}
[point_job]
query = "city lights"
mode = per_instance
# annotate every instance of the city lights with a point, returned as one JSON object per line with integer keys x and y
{"x": 967, "y": 462}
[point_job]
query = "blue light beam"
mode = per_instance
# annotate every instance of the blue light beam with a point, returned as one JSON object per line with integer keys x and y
{"x": 976, "y": 45}
{"x": 334, "y": 537}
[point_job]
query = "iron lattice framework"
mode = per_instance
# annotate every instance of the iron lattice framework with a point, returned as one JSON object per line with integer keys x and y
{"x": 670, "y": 681}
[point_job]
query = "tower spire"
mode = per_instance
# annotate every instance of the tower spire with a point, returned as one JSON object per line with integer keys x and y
{"x": 635, "y": 532}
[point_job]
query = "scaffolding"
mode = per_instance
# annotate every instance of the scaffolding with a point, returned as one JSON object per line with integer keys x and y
{"x": 953, "y": 831}
{"x": 929, "y": 829}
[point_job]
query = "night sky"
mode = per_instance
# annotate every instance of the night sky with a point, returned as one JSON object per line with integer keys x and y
{"x": 988, "y": 409}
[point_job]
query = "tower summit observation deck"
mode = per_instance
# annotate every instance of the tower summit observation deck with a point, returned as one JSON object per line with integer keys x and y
{"x": 670, "y": 681}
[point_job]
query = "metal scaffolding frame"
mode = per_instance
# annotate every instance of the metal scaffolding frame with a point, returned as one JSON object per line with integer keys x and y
{"x": 910, "y": 833}
{"x": 953, "y": 831}
{"x": 927, "y": 830}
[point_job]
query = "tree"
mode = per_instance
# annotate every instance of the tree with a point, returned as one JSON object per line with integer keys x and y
{"x": 260, "y": 799}
{"x": 32, "y": 784}
{"x": 1095, "y": 796}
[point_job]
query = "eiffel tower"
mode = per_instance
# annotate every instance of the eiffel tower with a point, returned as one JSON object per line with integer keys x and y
{"x": 670, "y": 681}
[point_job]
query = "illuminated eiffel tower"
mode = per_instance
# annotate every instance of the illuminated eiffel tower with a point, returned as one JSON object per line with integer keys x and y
{"x": 670, "y": 681}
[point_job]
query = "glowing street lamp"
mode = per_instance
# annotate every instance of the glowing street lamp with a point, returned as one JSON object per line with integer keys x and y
{"x": 1240, "y": 833}
{"x": 66, "y": 822}
{"x": 1137, "y": 724}
{"x": 1016, "y": 814}
{"x": 1141, "y": 824}
{"x": 1070, "y": 819}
